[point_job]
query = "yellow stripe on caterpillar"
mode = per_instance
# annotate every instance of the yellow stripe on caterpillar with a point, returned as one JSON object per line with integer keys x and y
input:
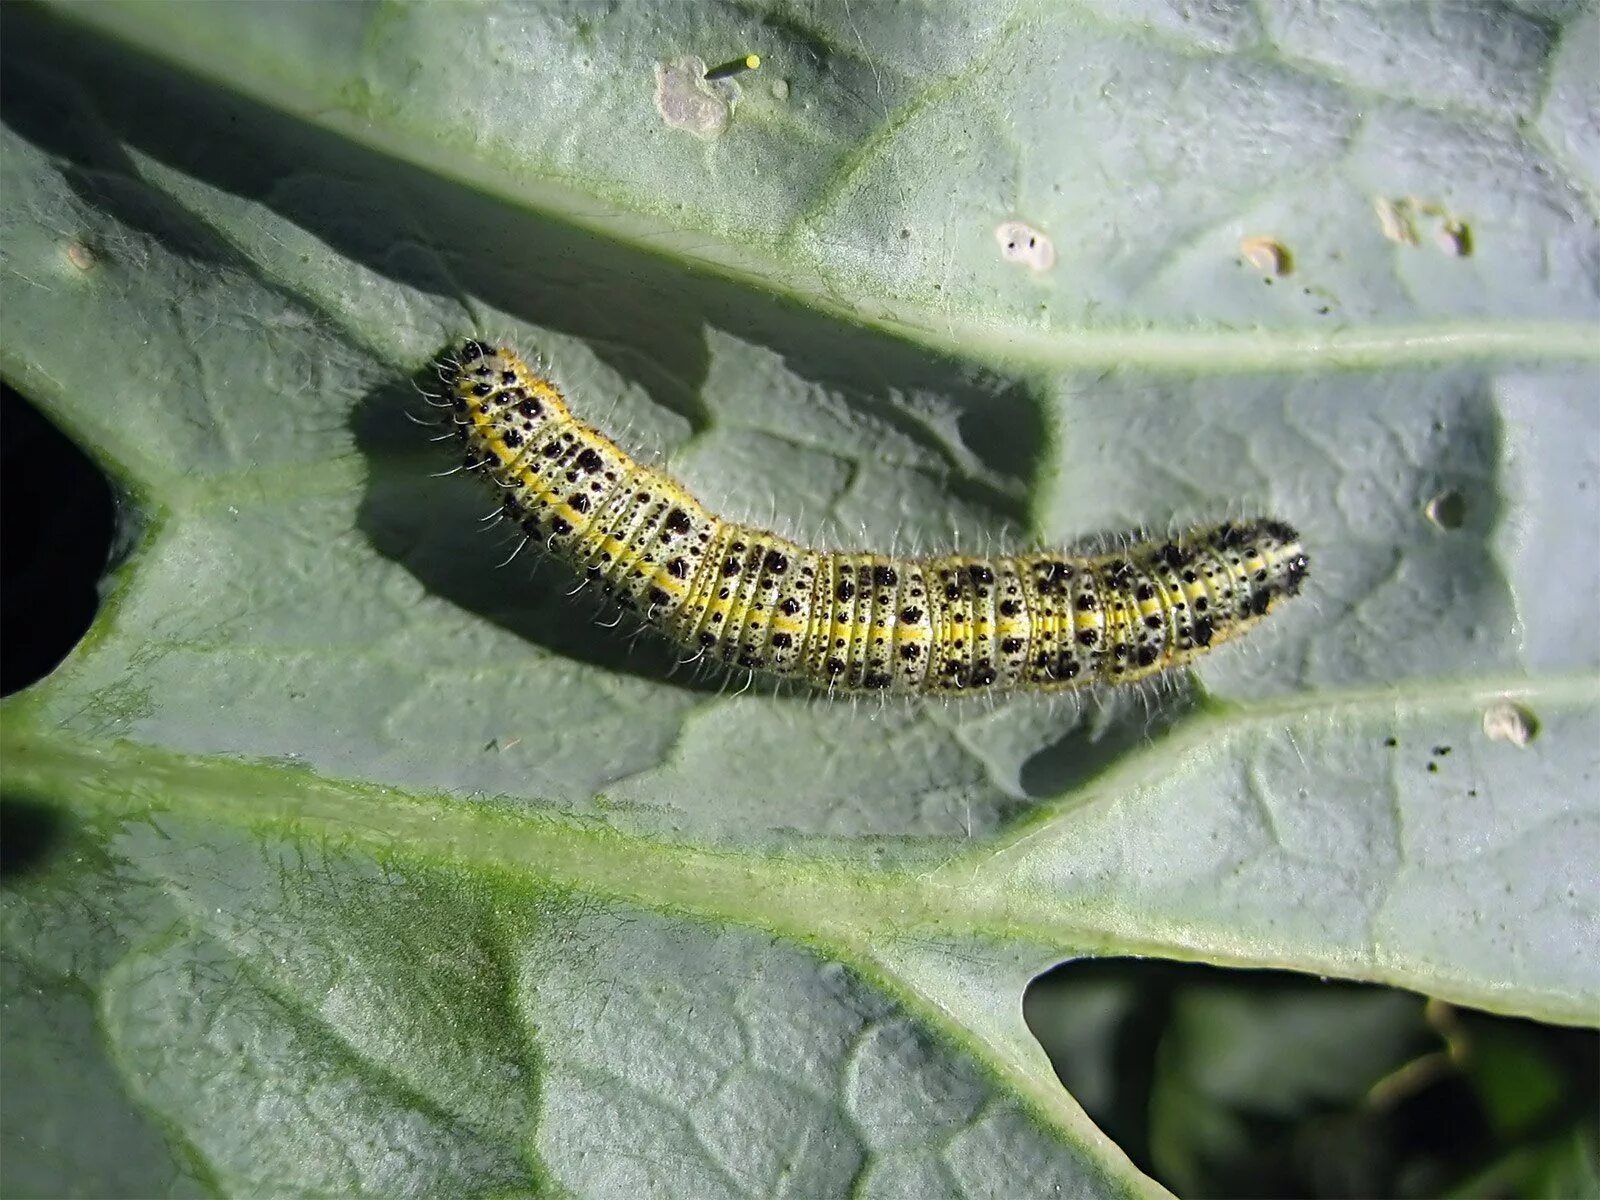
{"x": 747, "y": 598}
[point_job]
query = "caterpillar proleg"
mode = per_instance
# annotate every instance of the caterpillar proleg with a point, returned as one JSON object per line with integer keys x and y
{"x": 744, "y": 597}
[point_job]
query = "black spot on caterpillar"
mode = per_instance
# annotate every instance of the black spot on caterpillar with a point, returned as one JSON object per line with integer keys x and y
{"x": 746, "y": 598}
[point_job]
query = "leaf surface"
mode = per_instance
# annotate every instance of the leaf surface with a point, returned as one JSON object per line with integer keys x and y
{"x": 372, "y": 868}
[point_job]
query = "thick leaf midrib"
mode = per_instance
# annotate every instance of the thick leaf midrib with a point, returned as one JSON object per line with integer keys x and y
{"x": 551, "y": 847}
{"x": 830, "y": 903}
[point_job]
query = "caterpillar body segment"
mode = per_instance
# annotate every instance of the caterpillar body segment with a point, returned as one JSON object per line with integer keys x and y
{"x": 745, "y": 597}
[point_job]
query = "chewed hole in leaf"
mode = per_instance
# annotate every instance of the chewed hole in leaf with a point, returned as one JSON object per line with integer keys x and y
{"x": 1447, "y": 510}
{"x": 29, "y": 833}
{"x": 1258, "y": 1083}
{"x": 59, "y": 520}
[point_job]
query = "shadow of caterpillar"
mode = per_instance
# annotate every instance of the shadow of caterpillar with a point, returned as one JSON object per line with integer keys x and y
{"x": 747, "y": 598}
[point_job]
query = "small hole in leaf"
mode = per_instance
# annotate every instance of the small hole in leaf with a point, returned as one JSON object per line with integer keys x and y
{"x": 1447, "y": 510}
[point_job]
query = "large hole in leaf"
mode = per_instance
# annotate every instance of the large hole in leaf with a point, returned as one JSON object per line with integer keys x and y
{"x": 59, "y": 517}
{"x": 1265, "y": 1083}
{"x": 30, "y": 832}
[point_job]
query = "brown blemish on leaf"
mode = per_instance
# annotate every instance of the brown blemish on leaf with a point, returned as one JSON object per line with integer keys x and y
{"x": 1022, "y": 243}
{"x": 687, "y": 100}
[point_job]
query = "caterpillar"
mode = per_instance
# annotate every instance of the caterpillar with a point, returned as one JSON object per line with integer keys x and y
{"x": 747, "y": 598}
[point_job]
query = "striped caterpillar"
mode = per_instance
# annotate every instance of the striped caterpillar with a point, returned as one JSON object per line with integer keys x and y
{"x": 747, "y": 598}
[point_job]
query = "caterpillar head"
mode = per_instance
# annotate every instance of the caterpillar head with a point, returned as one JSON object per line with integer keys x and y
{"x": 1275, "y": 556}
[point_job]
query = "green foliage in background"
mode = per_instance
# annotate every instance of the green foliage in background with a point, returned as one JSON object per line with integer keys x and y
{"x": 1263, "y": 1084}
{"x": 366, "y": 868}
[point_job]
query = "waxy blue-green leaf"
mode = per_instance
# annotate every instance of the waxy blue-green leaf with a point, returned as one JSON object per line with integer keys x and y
{"x": 375, "y": 869}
